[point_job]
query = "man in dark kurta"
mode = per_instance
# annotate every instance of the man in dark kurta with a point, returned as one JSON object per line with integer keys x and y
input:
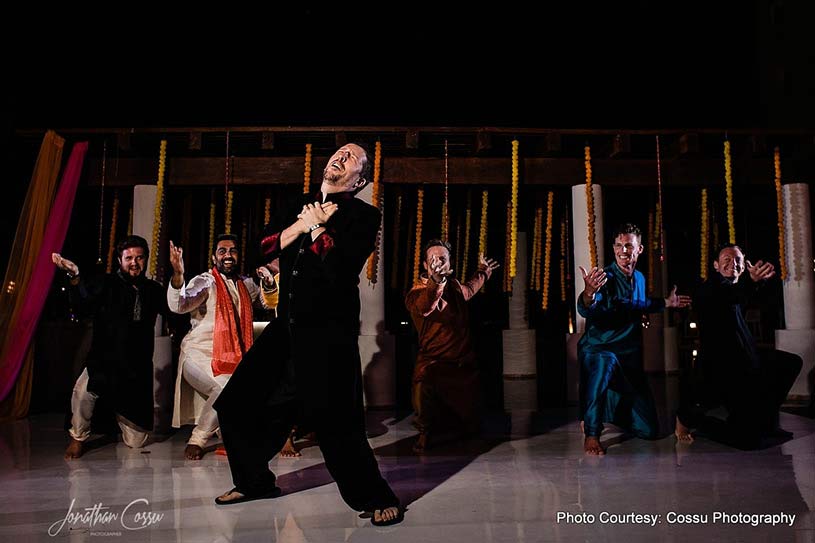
{"x": 751, "y": 383}
{"x": 613, "y": 384}
{"x": 119, "y": 366}
{"x": 445, "y": 378}
{"x": 305, "y": 368}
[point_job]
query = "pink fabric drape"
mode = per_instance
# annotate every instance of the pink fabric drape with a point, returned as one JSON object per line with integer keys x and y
{"x": 43, "y": 273}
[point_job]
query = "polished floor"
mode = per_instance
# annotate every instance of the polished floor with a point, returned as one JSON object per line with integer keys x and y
{"x": 510, "y": 488}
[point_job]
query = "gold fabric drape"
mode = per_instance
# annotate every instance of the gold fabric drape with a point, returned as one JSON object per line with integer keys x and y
{"x": 24, "y": 253}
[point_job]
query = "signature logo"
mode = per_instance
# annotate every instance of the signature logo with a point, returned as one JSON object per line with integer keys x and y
{"x": 134, "y": 516}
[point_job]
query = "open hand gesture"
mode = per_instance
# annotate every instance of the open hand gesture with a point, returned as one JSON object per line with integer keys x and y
{"x": 177, "y": 259}
{"x": 674, "y": 300}
{"x": 594, "y": 279}
{"x": 487, "y": 265}
{"x": 760, "y": 271}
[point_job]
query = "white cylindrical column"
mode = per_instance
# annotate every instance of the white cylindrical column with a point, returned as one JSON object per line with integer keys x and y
{"x": 377, "y": 348}
{"x": 144, "y": 201}
{"x": 580, "y": 226}
{"x": 520, "y": 364}
{"x": 799, "y": 287}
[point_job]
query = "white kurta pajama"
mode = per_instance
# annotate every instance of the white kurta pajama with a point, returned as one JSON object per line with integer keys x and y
{"x": 196, "y": 388}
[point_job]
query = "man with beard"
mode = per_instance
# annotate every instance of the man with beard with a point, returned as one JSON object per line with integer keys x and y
{"x": 752, "y": 383}
{"x": 305, "y": 367}
{"x": 119, "y": 366}
{"x": 445, "y": 378}
{"x": 220, "y": 306}
{"x": 613, "y": 384}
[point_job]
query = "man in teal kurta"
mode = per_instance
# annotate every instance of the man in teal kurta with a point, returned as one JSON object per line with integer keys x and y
{"x": 613, "y": 385}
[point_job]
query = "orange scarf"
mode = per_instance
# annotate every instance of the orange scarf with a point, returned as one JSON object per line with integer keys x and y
{"x": 230, "y": 339}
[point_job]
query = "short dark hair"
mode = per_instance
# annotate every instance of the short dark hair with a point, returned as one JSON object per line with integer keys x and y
{"x": 722, "y": 247}
{"x": 626, "y": 228}
{"x": 225, "y": 237}
{"x": 438, "y": 243}
{"x": 130, "y": 242}
{"x": 367, "y": 172}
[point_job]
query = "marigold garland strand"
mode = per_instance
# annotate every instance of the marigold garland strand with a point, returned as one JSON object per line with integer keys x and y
{"x": 728, "y": 184}
{"x": 704, "y": 237}
{"x": 482, "y": 232}
{"x": 547, "y": 258}
{"x": 162, "y": 159}
{"x": 513, "y": 251}
{"x": 307, "y": 171}
{"x": 445, "y": 226}
{"x": 376, "y": 201}
{"x": 467, "y": 221}
{"x": 534, "y": 282}
{"x": 267, "y": 211}
{"x": 230, "y": 197}
{"x": 417, "y": 249}
{"x": 779, "y": 200}
{"x": 590, "y": 218}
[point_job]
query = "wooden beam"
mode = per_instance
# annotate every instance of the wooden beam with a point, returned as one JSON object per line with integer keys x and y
{"x": 340, "y": 139}
{"x": 690, "y": 171}
{"x": 412, "y": 139}
{"x": 267, "y": 141}
{"x": 688, "y": 144}
{"x": 195, "y": 141}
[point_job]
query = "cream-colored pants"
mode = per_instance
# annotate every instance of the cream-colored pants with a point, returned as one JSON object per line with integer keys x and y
{"x": 82, "y": 403}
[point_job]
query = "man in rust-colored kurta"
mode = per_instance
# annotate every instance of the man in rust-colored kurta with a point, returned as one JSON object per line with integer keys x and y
{"x": 445, "y": 379}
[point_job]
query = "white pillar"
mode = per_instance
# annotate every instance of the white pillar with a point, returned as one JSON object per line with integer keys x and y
{"x": 377, "y": 348}
{"x": 144, "y": 200}
{"x": 580, "y": 227}
{"x": 520, "y": 364}
{"x": 799, "y": 288}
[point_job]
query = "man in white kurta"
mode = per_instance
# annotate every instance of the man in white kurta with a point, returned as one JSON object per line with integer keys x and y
{"x": 197, "y": 387}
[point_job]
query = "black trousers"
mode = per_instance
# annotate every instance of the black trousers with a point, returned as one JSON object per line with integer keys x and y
{"x": 328, "y": 401}
{"x": 752, "y": 396}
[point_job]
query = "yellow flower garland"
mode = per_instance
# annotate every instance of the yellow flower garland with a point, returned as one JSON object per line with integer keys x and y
{"x": 467, "y": 220}
{"x": 267, "y": 211}
{"x": 230, "y": 196}
{"x": 508, "y": 250}
{"x": 513, "y": 251}
{"x": 373, "y": 258}
{"x": 704, "y": 239}
{"x": 728, "y": 183}
{"x": 162, "y": 159}
{"x": 482, "y": 232}
{"x": 590, "y": 208}
{"x": 547, "y": 258}
{"x": 307, "y": 171}
{"x": 779, "y": 201}
{"x": 417, "y": 249}
{"x": 112, "y": 238}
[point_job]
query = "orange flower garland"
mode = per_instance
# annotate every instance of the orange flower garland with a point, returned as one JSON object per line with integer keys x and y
{"x": 373, "y": 258}
{"x": 230, "y": 196}
{"x": 728, "y": 184}
{"x": 417, "y": 248}
{"x": 590, "y": 209}
{"x": 482, "y": 232}
{"x": 779, "y": 201}
{"x": 267, "y": 211}
{"x": 112, "y": 238}
{"x": 307, "y": 171}
{"x": 547, "y": 258}
{"x": 162, "y": 159}
{"x": 704, "y": 239}
{"x": 513, "y": 251}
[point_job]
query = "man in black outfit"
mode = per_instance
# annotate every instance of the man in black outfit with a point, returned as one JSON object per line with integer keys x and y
{"x": 305, "y": 367}
{"x": 751, "y": 383}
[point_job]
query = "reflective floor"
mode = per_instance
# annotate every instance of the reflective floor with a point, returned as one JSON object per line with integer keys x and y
{"x": 505, "y": 489}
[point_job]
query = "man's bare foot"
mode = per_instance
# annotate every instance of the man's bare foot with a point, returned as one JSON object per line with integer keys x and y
{"x": 230, "y": 496}
{"x": 193, "y": 452}
{"x": 289, "y": 450}
{"x": 421, "y": 444}
{"x": 389, "y": 515}
{"x": 74, "y": 449}
{"x": 682, "y": 433}
{"x": 592, "y": 446}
